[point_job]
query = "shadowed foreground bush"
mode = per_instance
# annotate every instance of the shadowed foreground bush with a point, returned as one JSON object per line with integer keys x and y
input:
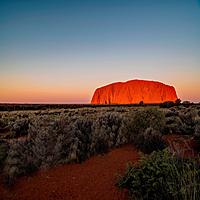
{"x": 161, "y": 176}
{"x": 4, "y": 147}
{"x": 149, "y": 141}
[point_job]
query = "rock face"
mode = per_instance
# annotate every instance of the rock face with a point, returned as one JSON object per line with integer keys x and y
{"x": 134, "y": 91}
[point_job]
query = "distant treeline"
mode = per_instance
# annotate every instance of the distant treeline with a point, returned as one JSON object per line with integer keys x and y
{"x": 15, "y": 107}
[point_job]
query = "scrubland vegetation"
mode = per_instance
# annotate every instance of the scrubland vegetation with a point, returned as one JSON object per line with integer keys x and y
{"x": 31, "y": 140}
{"x": 162, "y": 175}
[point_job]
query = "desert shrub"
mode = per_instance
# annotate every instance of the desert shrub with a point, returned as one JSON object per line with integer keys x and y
{"x": 173, "y": 125}
{"x": 162, "y": 176}
{"x": 139, "y": 121}
{"x": 2, "y": 123}
{"x": 45, "y": 146}
{"x": 108, "y": 131}
{"x": 149, "y": 141}
{"x": 181, "y": 121}
{"x": 186, "y": 104}
{"x": 141, "y": 103}
{"x": 42, "y": 145}
{"x": 173, "y": 120}
{"x": 30, "y": 153}
{"x": 4, "y": 128}
{"x": 171, "y": 112}
{"x": 196, "y": 138}
{"x": 80, "y": 133}
{"x": 4, "y": 147}
{"x": 197, "y": 128}
{"x": 188, "y": 118}
{"x": 19, "y": 161}
{"x": 167, "y": 104}
{"x": 120, "y": 109}
{"x": 19, "y": 127}
{"x": 178, "y": 102}
{"x": 63, "y": 140}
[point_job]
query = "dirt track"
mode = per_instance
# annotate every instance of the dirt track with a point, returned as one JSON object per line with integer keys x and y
{"x": 92, "y": 180}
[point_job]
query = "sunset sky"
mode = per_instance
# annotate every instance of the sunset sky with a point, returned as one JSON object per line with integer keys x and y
{"x": 60, "y": 51}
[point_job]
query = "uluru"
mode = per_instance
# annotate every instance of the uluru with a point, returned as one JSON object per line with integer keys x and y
{"x": 133, "y": 92}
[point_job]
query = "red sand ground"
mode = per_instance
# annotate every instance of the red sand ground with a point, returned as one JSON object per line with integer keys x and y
{"x": 94, "y": 179}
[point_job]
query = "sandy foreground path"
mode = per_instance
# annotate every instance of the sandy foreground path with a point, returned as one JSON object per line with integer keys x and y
{"x": 93, "y": 179}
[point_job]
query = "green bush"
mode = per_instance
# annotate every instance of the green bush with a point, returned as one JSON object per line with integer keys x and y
{"x": 162, "y": 176}
{"x": 149, "y": 141}
{"x": 139, "y": 121}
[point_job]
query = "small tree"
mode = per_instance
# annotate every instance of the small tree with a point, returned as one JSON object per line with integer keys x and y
{"x": 178, "y": 102}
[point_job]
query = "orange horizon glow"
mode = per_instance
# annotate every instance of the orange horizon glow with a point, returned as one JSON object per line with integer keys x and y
{"x": 73, "y": 95}
{"x": 24, "y": 89}
{"x": 26, "y": 96}
{"x": 46, "y": 89}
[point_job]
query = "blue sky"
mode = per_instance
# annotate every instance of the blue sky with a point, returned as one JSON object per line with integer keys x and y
{"x": 60, "y": 51}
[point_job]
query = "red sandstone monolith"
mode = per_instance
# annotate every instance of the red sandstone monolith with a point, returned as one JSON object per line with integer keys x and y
{"x": 133, "y": 92}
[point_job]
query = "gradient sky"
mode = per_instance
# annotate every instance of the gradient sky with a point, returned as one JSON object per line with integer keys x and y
{"x": 59, "y": 51}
